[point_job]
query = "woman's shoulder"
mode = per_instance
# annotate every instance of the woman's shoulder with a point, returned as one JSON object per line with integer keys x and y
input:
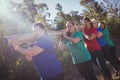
{"x": 105, "y": 29}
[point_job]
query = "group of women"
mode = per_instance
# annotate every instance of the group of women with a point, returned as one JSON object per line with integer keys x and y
{"x": 99, "y": 48}
{"x": 86, "y": 43}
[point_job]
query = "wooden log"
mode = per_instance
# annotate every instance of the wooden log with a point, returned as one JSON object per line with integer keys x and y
{"x": 29, "y": 37}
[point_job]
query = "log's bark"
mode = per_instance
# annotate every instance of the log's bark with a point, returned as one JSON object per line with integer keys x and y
{"x": 29, "y": 37}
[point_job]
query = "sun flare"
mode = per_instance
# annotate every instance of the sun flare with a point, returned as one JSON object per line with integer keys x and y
{"x": 3, "y": 6}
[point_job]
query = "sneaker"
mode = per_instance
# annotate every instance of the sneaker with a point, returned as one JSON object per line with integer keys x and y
{"x": 116, "y": 76}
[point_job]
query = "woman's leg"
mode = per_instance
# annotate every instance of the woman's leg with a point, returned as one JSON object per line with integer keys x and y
{"x": 115, "y": 63}
{"x": 94, "y": 58}
{"x": 113, "y": 51}
{"x": 86, "y": 69}
{"x": 102, "y": 63}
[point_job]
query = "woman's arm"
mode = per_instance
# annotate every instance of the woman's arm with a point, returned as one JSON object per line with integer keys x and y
{"x": 73, "y": 40}
{"x": 99, "y": 34}
{"x": 35, "y": 50}
{"x": 29, "y": 58}
{"x": 61, "y": 45}
{"x": 89, "y": 37}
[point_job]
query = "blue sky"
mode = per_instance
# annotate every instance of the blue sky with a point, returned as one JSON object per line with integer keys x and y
{"x": 68, "y": 5}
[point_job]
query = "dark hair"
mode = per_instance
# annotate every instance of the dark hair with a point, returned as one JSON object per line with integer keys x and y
{"x": 103, "y": 23}
{"x": 41, "y": 26}
{"x": 87, "y": 19}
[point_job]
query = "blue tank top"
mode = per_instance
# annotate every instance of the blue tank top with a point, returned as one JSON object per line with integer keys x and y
{"x": 100, "y": 40}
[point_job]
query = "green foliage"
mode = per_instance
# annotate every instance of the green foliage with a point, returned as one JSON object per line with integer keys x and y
{"x": 22, "y": 70}
{"x": 94, "y": 9}
{"x": 107, "y": 11}
{"x": 114, "y": 26}
{"x": 112, "y": 7}
{"x": 11, "y": 67}
{"x": 62, "y": 18}
{"x": 58, "y": 7}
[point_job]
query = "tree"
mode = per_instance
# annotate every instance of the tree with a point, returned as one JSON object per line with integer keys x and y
{"x": 58, "y": 7}
{"x": 59, "y": 20}
{"x": 107, "y": 11}
{"x": 75, "y": 17}
{"x": 27, "y": 10}
{"x": 94, "y": 10}
{"x": 112, "y": 7}
{"x": 62, "y": 18}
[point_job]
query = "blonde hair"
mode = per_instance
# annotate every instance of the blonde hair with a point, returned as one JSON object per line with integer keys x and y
{"x": 71, "y": 23}
{"x": 94, "y": 21}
